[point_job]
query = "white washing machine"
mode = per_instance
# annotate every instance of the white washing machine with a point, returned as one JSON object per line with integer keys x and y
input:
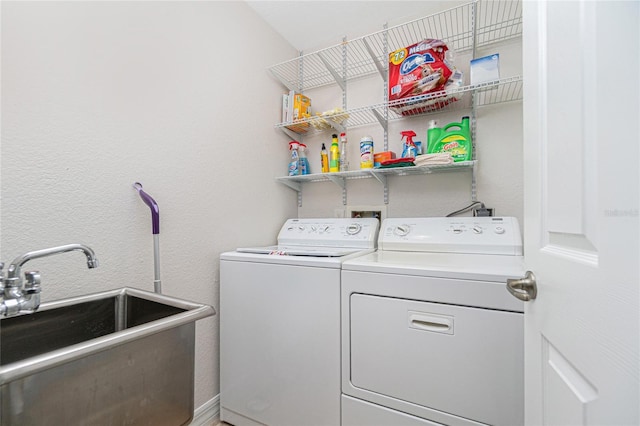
{"x": 280, "y": 323}
{"x": 430, "y": 334}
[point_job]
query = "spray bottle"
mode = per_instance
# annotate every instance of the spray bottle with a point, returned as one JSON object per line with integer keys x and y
{"x": 334, "y": 158}
{"x": 304, "y": 162}
{"x": 324, "y": 159}
{"x": 294, "y": 164}
{"x": 409, "y": 147}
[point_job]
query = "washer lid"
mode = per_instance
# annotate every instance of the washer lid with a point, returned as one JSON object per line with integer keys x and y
{"x": 317, "y": 251}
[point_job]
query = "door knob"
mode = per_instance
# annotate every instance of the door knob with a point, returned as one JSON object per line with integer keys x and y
{"x": 525, "y": 288}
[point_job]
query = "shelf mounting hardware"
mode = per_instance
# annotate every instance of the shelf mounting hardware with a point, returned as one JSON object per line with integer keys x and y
{"x": 382, "y": 178}
{"x": 341, "y": 182}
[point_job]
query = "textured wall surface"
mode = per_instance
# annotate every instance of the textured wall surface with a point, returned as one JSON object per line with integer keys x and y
{"x": 98, "y": 95}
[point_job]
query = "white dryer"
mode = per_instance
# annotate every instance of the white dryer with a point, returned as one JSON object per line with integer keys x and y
{"x": 280, "y": 323}
{"x": 430, "y": 334}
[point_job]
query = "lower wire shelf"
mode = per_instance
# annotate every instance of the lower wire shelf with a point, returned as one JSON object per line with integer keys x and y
{"x": 340, "y": 178}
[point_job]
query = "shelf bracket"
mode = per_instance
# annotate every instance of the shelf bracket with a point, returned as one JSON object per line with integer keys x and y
{"x": 381, "y": 119}
{"x": 293, "y": 135}
{"x": 379, "y": 66}
{"x": 341, "y": 182}
{"x": 338, "y": 78}
{"x": 296, "y": 186}
{"x": 383, "y": 180}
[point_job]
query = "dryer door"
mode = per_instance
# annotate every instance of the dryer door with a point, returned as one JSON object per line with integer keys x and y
{"x": 458, "y": 360}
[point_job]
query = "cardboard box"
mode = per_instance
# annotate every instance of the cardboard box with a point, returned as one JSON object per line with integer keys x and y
{"x": 299, "y": 108}
{"x": 485, "y": 69}
{"x": 379, "y": 157}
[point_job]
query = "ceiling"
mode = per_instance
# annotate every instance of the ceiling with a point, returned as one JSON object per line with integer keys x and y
{"x": 311, "y": 24}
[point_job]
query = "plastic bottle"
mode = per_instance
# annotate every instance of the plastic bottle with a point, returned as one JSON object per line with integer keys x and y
{"x": 334, "y": 151}
{"x": 304, "y": 162}
{"x": 294, "y": 164}
{"x": 409, "y": 149}
{"x": 433, "y": 134}
{"x": 457, "y": 141}
{"x": 324, "y": 160}
{"x": 366, "y": 152}
{"x": 344, "y": 164}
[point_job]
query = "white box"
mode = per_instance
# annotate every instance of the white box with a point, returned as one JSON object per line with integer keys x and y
{"x": 485, "y": 69}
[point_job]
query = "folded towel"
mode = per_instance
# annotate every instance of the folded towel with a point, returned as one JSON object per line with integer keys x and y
{"x": 432, "y": 159}
{"x": 397, "y": 162}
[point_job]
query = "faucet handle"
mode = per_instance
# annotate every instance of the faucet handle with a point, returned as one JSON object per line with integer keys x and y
{"x": 32, "y": 284}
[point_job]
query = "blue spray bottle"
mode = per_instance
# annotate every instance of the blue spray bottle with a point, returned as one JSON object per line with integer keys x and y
{"x": 294, "y": 164}
{"x": 409, "y": 147}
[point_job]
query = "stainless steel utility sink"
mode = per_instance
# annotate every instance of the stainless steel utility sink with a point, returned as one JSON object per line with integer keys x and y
{"x": 119, "y": 357}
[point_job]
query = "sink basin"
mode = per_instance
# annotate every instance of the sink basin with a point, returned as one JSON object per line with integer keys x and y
{"x": 124, "y": 356}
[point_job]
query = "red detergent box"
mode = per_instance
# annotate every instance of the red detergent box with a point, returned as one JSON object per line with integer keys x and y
{"x": 417, "y": 70}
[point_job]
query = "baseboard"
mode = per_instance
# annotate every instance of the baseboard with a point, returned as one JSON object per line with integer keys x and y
{"x": 208, "y": 413}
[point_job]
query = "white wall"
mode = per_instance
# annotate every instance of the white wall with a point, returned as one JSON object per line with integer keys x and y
{"x": 98, "y": 95}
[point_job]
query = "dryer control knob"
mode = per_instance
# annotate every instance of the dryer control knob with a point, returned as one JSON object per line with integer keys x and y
{"x": 477, "y": 230}
{"x": 401, "y": 230}
{"x": 499, "y": 230}
{"x": 353, "y": 228}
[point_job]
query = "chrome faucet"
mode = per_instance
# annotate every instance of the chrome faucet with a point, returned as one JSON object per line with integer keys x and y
{"x": 17, "y": 298}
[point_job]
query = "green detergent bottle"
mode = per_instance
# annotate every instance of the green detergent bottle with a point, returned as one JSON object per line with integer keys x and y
{"x": 456, "y": 141}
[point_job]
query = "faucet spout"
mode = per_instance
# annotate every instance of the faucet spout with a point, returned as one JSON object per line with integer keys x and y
{"x": 14, "y": 268}
{"x": 16, "y": 298}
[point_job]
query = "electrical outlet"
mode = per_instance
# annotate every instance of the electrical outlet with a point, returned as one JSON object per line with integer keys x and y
{"x": 483, "y": 212}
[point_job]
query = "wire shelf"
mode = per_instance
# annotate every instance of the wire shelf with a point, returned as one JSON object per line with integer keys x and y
{"x": 377, "y": 173}
{"x": 494, "y": 92}
{"x": 495, "y": 20}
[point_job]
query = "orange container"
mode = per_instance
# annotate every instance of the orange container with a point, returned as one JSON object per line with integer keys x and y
{"x": 379, "y": 157}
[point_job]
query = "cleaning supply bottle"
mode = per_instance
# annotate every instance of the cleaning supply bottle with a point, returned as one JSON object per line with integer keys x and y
{"x": 456, "y": 141}
{"x": 304, "y": 162}
{"x": 324, "y": 159}
{"x": 294, "y": 164}
{"x": 366, "y": 153}
{"x": 409, "y": 149}
{"x": 344, "y": 164}
{"x": 334, "y": 157}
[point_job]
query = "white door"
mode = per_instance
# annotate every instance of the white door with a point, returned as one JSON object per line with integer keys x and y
{"x": 581, "y": 136}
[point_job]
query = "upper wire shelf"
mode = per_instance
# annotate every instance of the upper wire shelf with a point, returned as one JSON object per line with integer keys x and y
{"x": 495, "y": 20}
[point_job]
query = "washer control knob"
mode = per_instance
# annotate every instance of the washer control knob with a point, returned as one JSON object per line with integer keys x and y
{"x": 499, "y": 230}
{"x": 353, "y": 228}
{"x": 300, "y": 228}
{"x": 477, "y": 230}
{"x": 401, "y": 230}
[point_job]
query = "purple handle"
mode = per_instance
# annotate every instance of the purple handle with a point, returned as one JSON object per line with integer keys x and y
{"x": 155, "y": 210}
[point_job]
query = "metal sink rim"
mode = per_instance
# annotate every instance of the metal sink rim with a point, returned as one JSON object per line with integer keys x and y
{"x": 193, "y": 312}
